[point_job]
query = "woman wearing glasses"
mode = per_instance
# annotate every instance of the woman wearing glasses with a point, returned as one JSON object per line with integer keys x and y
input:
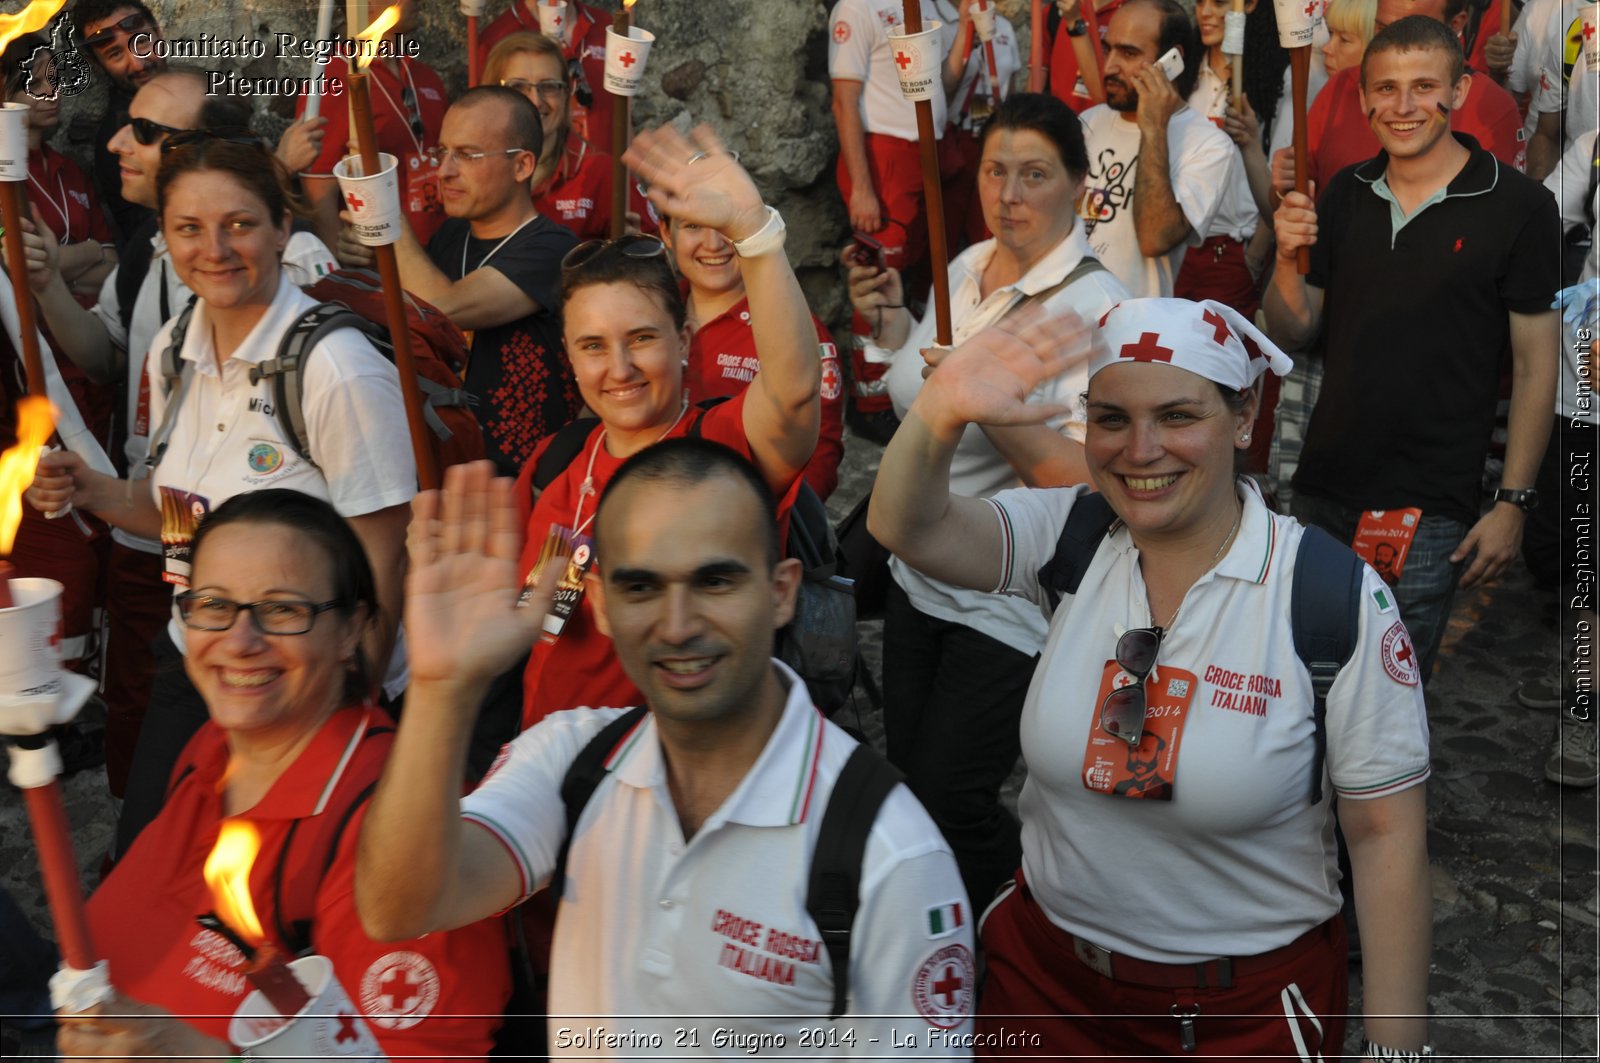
{"x": 1191, "y": 904}
{"x": 281, "y": 603}
{"x": 225, "y": 214}
{"x": 626, "y": 335}
{"x": 572, "y": 184}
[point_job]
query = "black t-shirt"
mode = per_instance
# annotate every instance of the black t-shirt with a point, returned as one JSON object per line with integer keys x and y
{"x": 517, "y": 371}
{"x": 1416, "y": 332}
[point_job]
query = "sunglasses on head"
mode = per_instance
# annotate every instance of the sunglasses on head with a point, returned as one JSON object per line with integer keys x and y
{"x": 1123, "y": 712}
{"x": 635, "y": 246}
{"x": 147, "y": 132}
{"x": 179, "y": 139}
{"x": 132, "y": 24}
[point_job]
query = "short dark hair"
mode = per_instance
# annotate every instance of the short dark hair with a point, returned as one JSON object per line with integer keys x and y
{"x": 1050, "y": 118}
{"x": 652, "y": 275}
{"x": 87, "y": 12}
{"x": 322, "y": 528}
{"x": 1417, "y": 33}
{"x": 687, "y": 462}
{"x": 523, "y": 128}
{"x": 250, "y": 163}
{"x": 1177, "y": 31}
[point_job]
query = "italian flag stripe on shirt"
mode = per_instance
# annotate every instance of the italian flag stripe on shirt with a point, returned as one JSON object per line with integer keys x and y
{"x": 945, "y": 919}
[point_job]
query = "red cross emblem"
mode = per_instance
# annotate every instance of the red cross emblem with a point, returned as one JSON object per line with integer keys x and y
{"x": 626, "y": 59}
{"x": 841, "y": 31}
{"x": 400, "y": 989}
{"x": 1311, "y": 9}
{"x": 347, "y": 1029}
{"x": 356, "y": 203}
{"x": 557, "y": 21}
{"x": 948, "y": 986}
{"x": 1588, "y": 30}
{"x": 902, "y": 60}
{"x": 1148, "y": 349}
{"x": 1404, "y": 654}
{"x": 1219, "y": 324}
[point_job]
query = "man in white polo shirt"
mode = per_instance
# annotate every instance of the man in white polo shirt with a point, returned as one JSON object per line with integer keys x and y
{"x": 684, "y": 897}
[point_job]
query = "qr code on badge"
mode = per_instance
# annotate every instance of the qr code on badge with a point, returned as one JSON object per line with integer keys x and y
{"x": 1177, "y": 688}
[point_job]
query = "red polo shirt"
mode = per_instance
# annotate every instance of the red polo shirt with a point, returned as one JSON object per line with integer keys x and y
{"x": 580, "y": 667}
{"x": 392, "y": 121}
{"x": 586, "y": 43}
{"x": 439, "y": 996}
{"x": 578, "y": 195}
{"x": 1340, "y": 135}
{"x": 723, "y": 361}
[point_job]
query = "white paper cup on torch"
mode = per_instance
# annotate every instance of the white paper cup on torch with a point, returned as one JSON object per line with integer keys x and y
{"x": 35, "y": 691}
{"x": 13, "y": 142}
{"x": 983, "y": 21}
{"x": 917, "y": 60}
{"x": 329, "y": 1027}
{"x": 1591, "y": 37}
{"x": 553, "y": 20}
{"x": 1297, "y": 22}
{"x": 373, "y": 202}
{"x": 625, "y": 58}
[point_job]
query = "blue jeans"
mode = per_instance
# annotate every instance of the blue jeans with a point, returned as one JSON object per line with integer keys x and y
{"x": 1427, "y": 587}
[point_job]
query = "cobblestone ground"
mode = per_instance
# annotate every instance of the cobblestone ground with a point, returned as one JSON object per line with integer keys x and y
{"x": 1514, "y": 857}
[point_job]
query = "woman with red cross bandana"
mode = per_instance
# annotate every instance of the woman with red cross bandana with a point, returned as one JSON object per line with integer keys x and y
{"x": 1192, "y": 905}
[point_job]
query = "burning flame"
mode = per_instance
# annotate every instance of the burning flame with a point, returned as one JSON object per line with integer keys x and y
{"x": 627, "y": 5}
{"x": 227, "y": 872}
{"x": 35, "y": 422}
{"x": 373, "y": 34}
{"x": 30, "y": 19}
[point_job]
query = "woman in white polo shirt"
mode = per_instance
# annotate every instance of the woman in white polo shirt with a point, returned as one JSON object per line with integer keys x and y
{"x": 225, "y": 213}
{"x": 1179, "y": 888}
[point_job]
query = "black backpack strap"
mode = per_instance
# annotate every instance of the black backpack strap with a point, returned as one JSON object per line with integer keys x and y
{"x": 175, "y": 377}
{"x": 834, "y": 891}
{"x": 564, "y": 447}
{"x": 1325, "y": 617}
{"x": 1087, "y": 524}
{"x": 287, "y": 369}
{"x": 296, "y": 933}
{"x": 587, "y": 771}
{"x": 135, "y": 257}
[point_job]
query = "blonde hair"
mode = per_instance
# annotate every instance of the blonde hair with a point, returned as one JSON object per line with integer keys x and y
{"x": 494, "y": 70}
{"x": 1355, "y": 17}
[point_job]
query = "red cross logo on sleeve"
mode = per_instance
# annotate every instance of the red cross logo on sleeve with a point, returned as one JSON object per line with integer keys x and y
{"x": 1219, "y": 324}
{"x": 902, "y": 60}
{"x": 1148, "y": 349}
{"x": 841, "y": 31}
{"x": 356, "y": 203}
{"x": 948, "y": 986}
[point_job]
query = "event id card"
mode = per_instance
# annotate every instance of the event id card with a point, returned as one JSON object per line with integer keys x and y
{"x": 1145, "y": 772}
{"x": 574, "y": 551}
{"x": 1383, "y": 539}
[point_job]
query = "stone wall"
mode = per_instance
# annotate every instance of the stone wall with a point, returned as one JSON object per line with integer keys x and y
{"x": 757, "y": 70}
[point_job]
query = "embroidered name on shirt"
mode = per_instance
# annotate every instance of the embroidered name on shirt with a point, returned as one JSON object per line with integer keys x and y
{"x": 1240, "y": 692}
{"x": 785, "y": 949}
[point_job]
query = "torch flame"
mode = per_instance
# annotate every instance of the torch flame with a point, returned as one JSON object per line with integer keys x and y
{"x": 35, "y": 422}
{"x": 627, "y": 5}
{"x": 30, "y": 19}
{"x": 374, "y": 33}
{"x": 227, "y": 872}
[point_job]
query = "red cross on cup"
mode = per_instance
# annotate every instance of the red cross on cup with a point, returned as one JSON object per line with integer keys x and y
{"x": 626, "y": 59}
{"x": 347, "y": 1029}
{"x": 1311, "y": 9}
{"x": 356, "y": 203}
{"x": 902, "y": 60}
{"x": 1588, "y": 30}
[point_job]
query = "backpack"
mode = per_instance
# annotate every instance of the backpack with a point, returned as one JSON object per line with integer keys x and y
{"x": 349, "y": 299}
{"x": 820, "y": 642}
{"x": 833, "y": 892}
{"x": 1324, "y": 604}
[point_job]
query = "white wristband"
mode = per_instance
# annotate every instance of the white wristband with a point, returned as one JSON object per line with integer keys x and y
{"x": 765, "y": 240}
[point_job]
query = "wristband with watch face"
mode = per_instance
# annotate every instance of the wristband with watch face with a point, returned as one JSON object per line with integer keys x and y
{"x": 1525, "y": 499}
{"x": 1078, "y": 28}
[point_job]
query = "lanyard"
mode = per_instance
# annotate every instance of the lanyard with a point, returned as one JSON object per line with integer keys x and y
{"x": 411, "y": 118}
{"x": 61, "y": 207}
{"x": 587, "y": 488}
{"x": 484, "y": 261}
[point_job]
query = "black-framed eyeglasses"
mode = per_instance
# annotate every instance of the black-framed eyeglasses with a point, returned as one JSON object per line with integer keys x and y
{"x": 132, "y": 24}
{"x": 546, "y": 90}
{"x": 147, "y": 132}
{"x": 636, "y": 245}
{"x": 184, "y": 138}
{"x": 1122, "y": 714}
{"x": 408, "y": 100}
{"x": 276, "y": 616}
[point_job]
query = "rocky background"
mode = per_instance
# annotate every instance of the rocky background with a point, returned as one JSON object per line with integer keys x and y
{"x": 757, "y": 70}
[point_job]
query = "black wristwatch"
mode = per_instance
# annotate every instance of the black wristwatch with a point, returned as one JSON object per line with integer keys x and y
{"x": 1078, "y": 28}
{"x": 1527, "y": 499}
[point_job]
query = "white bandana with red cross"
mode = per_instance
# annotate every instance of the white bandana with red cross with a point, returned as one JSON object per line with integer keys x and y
{"x": 1207, "y": 338}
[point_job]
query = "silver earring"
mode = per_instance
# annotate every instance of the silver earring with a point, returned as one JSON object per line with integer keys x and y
{"x": 1244, "y": 440}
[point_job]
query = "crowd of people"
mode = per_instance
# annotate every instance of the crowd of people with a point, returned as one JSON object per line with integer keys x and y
{"x": 1153, "y": 448}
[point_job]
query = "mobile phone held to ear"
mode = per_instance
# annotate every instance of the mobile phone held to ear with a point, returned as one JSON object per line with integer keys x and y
{"x": 869, "y": 252}
{"x": 1171, "y": 63}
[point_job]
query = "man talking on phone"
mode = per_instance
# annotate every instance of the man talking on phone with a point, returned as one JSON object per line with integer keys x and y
{"x": 1157, "y": 169}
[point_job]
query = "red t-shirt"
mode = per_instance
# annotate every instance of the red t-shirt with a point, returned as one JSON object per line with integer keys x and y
{"x": 438, "y": 996}
{"x": 586, "y": 43}
{"x": 723, "y": 361}
{"x": 1064, "y": 61}
{"x": 578, "y": 195}
{"x": 580, "y": 668}
{"x": 393, "y": 122}
{"x": 1340, "y": 135}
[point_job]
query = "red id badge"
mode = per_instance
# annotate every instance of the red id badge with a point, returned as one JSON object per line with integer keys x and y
{"x": 575, "y": 552}
{"x": 422, "y": 184}
{"x": 1383, "y": 539}
{"x": 1145, "y": 772}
